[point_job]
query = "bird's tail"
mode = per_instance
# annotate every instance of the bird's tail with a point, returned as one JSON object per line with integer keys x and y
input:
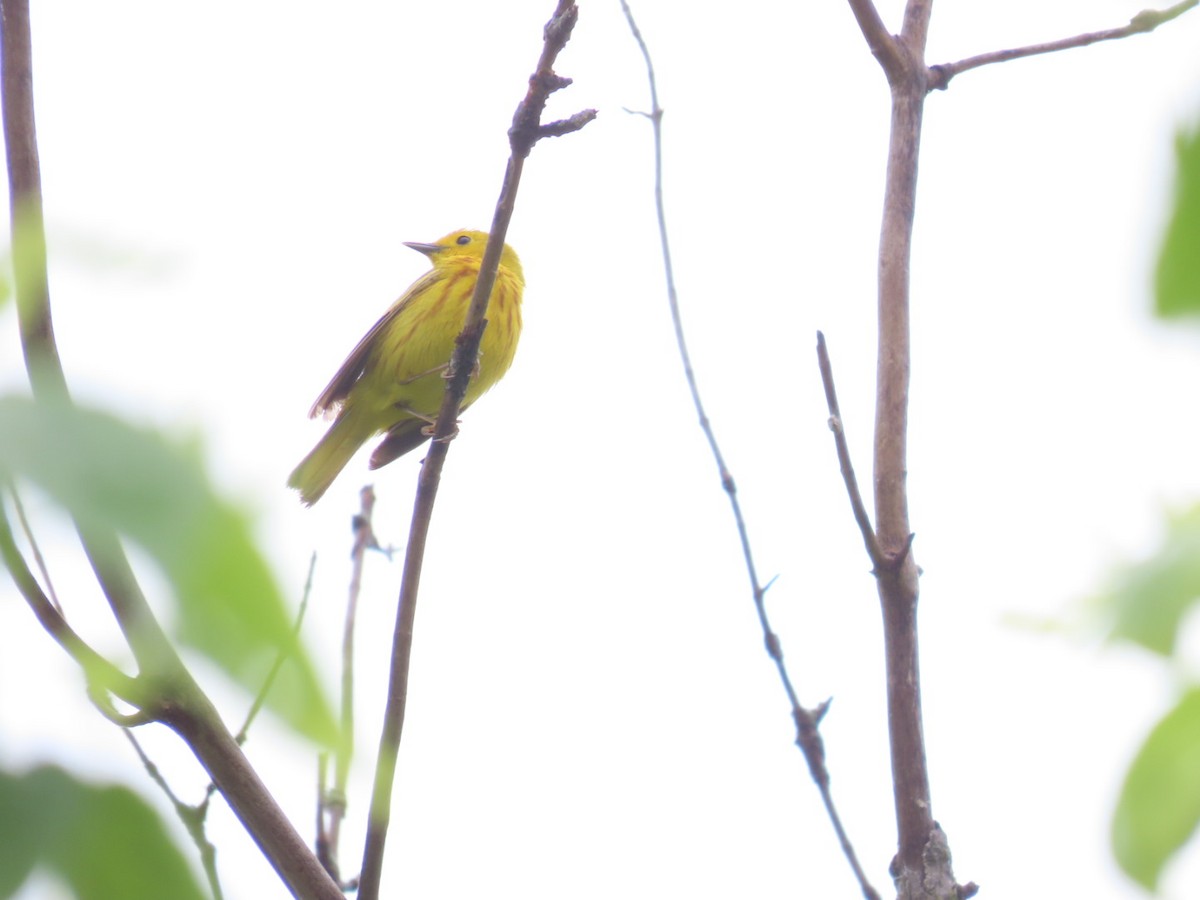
{"x": 317, "y": 471}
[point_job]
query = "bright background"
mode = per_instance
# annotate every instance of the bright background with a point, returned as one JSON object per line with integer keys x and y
{"x": 227, "y": 189}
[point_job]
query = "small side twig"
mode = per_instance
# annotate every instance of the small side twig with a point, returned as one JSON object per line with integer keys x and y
{"x": 861, "y": 516}
{"x": 192, "y": 817}
{"x": 280, "y": 658}
{"x": 102, "y": 675}
{"x": 526, "y": 130}
{"x": 38, "y": 559}
{"x": 1143, "y": 23}
{"x": 332, "y": 801}
{"x": 272, "y": 673}
{"x": 808, "y": 737}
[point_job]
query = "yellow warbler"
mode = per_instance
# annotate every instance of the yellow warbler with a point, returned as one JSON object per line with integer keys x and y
{"x": 392, "y": 381}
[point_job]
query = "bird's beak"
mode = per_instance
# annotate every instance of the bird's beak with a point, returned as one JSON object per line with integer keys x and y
{"x": 427, "y": 249}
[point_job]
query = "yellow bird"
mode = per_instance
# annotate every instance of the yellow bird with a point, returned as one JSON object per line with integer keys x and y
{"x": 393, "y": 380}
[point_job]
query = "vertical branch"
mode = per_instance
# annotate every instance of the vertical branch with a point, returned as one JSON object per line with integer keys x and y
{"x": 527, "y": 129}
{"x": 897, "y": 582}
{"x": 921, "y": 868}
{"x": 171, "y": 695}
{"x": 147, "y": 640}
{"x": 331, "y": 803}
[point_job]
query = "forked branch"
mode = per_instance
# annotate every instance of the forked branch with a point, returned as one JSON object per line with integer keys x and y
{"x": 166, "y": 690}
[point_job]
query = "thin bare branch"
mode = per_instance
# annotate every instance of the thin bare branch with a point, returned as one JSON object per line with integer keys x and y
{"x": 150, "y": 646}
{"x": 808, "y": 737}
{"x": 525, "y": 132}
{"x": 1143, "y": 23}
{"x": 281, "y": 657}
{"x": 192, "y": 817}
{"x": 38, "y": 559}
{"x": 101, "y": 674}
{"x": 332, "y": 809}
{"x": 861, "y": 516}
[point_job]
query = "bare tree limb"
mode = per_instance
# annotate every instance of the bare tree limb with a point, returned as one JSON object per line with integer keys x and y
{"x": 526, "y": 131}
{"x": 104, "y": 551}
{"x": 917, "y": 874}
{"x": 1143, "y": 23}
{"x": 166, "y": 691}
{"x": 808, "y": 736}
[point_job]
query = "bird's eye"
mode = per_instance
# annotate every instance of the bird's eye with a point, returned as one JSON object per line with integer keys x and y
{"x": 463, "y": 239}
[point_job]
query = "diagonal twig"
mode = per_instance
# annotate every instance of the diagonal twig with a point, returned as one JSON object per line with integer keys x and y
{"x": 878, "y": 559}
{"x": 38, "y": 559}
{"x": 883, "y": 43}
{"x": 101, "y": 673}
{"x": 281, "y": 657}
{"x": 1143, "y": 23}
{"x": 808, "y": 737}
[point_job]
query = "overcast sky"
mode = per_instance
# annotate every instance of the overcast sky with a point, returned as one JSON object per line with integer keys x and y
{"x": 228, "y": 188}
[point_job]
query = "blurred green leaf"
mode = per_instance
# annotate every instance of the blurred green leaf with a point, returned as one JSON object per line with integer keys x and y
{"x": 105, "y": 842}
{"x": 134, "y": 481}
{"x": 1177, "y": 279}
{"x": 1159, "y": 806}
{"x": 1149, "y": 599}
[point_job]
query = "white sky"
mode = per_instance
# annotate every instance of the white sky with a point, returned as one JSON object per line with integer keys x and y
{"x": 227, "y": 190}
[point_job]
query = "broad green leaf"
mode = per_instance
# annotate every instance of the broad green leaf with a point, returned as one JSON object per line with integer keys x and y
{"x": 105, "y": 842}
{"x": 1177, "y": 279}
{"x": 1159, "y": 806}
{"x": 1149, "y": 599}
{"x": 110, "y": 474}
{"x": 20, "y": 834}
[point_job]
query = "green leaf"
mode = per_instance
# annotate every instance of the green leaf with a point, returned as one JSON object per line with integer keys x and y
{"x": 1159, "y": 806}
{"x": 1177, "y": 278}
{"x": 104, "y": 842}
{"x": 1151, "y": 598}
{"x": 110, "y": 474}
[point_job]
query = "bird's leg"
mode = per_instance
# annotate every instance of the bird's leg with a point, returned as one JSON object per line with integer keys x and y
{"x": 430, "y": 421}
{"x": 443, "y": 368}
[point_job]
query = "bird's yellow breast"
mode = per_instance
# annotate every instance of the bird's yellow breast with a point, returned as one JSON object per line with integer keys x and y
{"x": 406, "y": 366}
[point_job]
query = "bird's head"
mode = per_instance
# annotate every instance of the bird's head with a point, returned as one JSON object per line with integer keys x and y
{"x": 466, "y": 244}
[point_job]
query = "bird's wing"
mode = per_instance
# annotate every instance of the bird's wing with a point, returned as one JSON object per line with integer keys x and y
{"x": 339, "y": 387}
